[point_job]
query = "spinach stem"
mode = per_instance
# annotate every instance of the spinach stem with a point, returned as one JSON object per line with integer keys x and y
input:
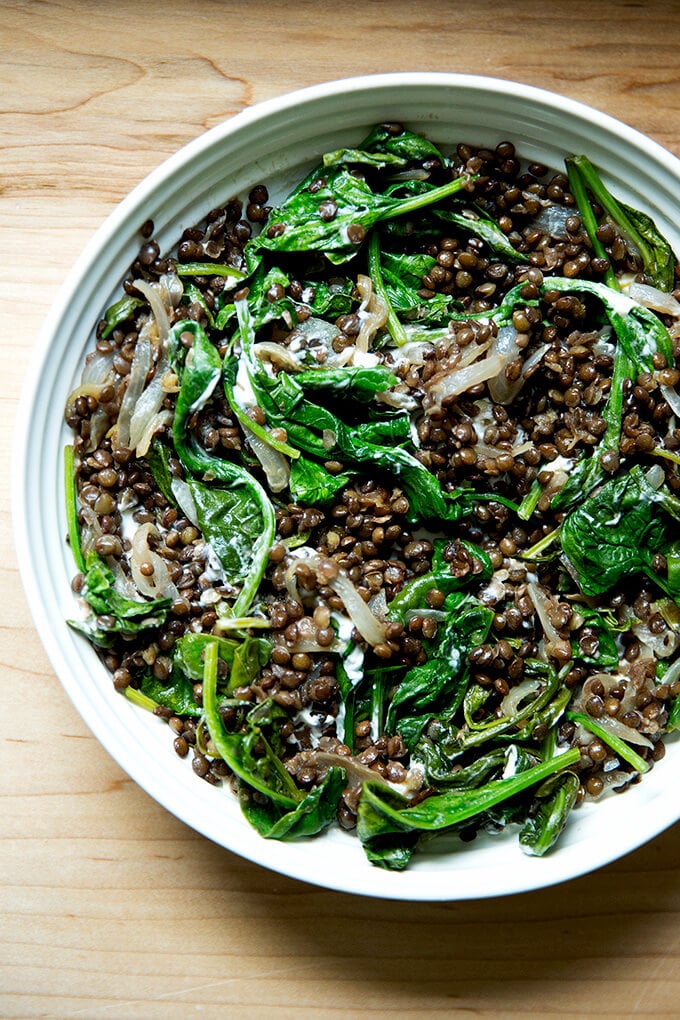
{"x": 143, "y": 700}
{"x": 530, "y": 501}
{"x": 225, "y": 747}
{"x": 604, "y": 197}
{"x": 396, "y": 330}
{"x": 616, "y": 743}
{"x": 409, "y": 205}
{"x": 456, "y": 806}
{"x": 544, "y": 543}
{"x": 659, "y": 452}
{"x": 578, "y": 190}
{"x": 209, "y": 269}
{"x": 72, "y": 509}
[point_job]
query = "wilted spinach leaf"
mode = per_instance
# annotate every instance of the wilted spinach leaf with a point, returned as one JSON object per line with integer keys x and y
{"x": 312, "y": 814}
{"x": 312, "y": 484}
{"x": 383, "y": 813}
{"x": 438, "y": 686}
{"x": 177, "y": 692}
{"x": 555, "y": 799}
{"x": 302, "y": 223}
{"x": 616, "y": 532}
{"x": 114, "y": 613}
{"x": 198, "y": 377}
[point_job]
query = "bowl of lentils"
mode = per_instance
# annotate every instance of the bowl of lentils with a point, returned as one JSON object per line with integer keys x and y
{"x": 348, "y": 508}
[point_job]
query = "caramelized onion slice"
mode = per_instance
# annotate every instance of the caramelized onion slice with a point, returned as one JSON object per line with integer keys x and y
{"x": 157, "y": 584}
{"x": 329, "y": 573}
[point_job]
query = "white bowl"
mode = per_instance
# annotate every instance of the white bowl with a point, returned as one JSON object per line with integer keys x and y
{"x": 273, "y": 143}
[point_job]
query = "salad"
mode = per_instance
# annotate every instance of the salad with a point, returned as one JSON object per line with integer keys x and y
{"x": 373, "y": 495}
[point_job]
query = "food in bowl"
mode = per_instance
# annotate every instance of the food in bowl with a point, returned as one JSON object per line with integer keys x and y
{"x": 373, "y": 493}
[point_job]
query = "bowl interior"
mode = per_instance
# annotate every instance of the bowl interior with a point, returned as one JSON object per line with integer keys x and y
{"x": 276, "y": 143}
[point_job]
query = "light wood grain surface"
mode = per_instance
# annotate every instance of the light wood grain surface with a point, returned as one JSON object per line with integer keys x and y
{"x": 109, "y": 906}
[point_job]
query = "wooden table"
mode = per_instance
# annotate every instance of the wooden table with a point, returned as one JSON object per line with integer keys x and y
{"x": 111, "y": 907}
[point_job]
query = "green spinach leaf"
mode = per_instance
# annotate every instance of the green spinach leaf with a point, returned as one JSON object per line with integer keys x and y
{"x": 114, "y": 613}
{"x": 303, "y": 224}
{"x": 176, "y": 693}
{"x": 383, "y": 813}
{"x": 438, "y": 686}
{"x": 475, "y": 221}
{"x": 119, "y": 313}
{"x": 555, "y": 799}
{"x": 616, "y": 532}
{"x": 311, "y": 484}
{"x": 248, "y": 752}
{"x": 199, "y": 376}
{"x": 312, "y": 814}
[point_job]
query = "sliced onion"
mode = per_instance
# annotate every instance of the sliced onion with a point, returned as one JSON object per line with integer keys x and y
{"x": 627, "y": 733}
{"x": 91, "y": 389}
{"x": 652, "y": 297}
{"x": 316, "y": 329}
{"x": 672, "y": 398}
{"x": 147, "y": 408}
{"x": 412, "y": 352}
{"x": 617, "y": 778}
{"x": 608, "y": 681}
{"x": 306, "y": 640}
{"x": 378, "y": 605}
{"x": 97, "y": 373}
{"x": 534, "y": 359}
{"x": 139, "y": 369}
{"x": 345, "y": 357}
{"x": 503, "y": 391}
{"x": 278, "y": 354}
{"x": 553, "y": 220}
{"x": 91, "y": 530}
{"x": 184, "y": 499}
{"x": 554, "y": 644}
{"x": 471, "y": 353}
{"x": 369, "y": 626}
{"x": 99, "y": 426}
{"x": 158, "y": 584}
{"x": 661, "y": 645}
{"x": 556, "y": 481}
{"x": 121, "y": 582}
{"x": 98, "y": 368}
{"x": 357, "y": 772}
{"x": 157, "y": 307}
{"x": 364, "y": 359}
{"x": 154, "y": 424}
{"x": 672, "y": 673}
{"x": 372, "y": 312}
{"x": 494, "y": 590}
{"x": 274, "y": 464}
{"x": 460, "y": 380}
{"x": 655, "y": 476}
{"x": 172, "y": 288}
{"x": 410, "y": 175}
{"x": 395, "y": 398}
{"x": 308, "y": 645}
{"x": 512, "y": 701}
